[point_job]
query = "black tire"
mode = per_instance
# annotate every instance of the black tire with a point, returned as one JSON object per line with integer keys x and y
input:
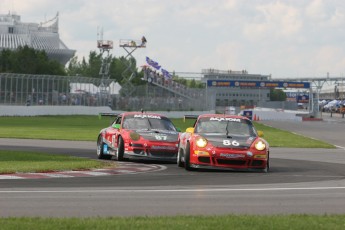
{"x": 187, "y": 159}
{"x": 179, "y": 162}
{"x": 120, "y": 150}
{"x": 100, "y": 153}
{"x": 267, "y": 169}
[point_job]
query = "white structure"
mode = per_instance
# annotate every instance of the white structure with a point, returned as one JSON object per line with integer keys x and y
{"x": 43, "y": 36}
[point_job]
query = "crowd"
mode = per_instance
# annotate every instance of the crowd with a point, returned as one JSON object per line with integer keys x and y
{"x": 152, "y": 76}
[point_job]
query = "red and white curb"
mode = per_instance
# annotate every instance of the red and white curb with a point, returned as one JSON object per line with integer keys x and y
{"x": 123, "y": 168}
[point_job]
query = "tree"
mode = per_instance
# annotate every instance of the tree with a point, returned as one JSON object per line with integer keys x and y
{"x": 277, "y": 95}
{"x": 29, "y": 61}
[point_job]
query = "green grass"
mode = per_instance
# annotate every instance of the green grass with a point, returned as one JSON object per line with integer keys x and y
{"x": 239, "y": 222}
{"x": 282, "y": 138}
{"x": 15, "y": 161}
{"x": 86, "y": 128}
{"x": 83, "y": 128}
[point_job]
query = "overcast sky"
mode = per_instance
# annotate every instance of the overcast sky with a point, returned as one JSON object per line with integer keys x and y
{"x": 287, "y": 38}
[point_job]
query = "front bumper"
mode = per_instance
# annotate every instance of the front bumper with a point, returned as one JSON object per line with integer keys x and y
{"x": 152, "y": 152}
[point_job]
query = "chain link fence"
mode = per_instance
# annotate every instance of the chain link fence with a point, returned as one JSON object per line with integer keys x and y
{"x": 31, "y": 90}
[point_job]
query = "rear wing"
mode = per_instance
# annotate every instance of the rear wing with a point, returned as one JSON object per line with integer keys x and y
{"x": 100, "y": 115}
{"x": 190, "y": 117}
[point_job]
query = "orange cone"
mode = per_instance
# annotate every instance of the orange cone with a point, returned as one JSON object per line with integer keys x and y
{"x": 254, "y": 117}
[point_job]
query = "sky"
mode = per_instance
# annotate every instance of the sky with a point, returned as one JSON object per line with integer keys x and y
{"x": 284, "y": 39}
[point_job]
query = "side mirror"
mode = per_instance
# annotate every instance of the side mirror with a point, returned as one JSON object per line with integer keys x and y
{"x": 260, "y": 133}
{"x": 116, "y": 126}
{"x": 190, "y": 130}
{"x": 178, "y": 129}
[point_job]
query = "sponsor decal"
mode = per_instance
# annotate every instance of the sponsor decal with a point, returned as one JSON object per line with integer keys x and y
{"x": 147, "y": 116}
{"x": 225, "y": 119}
{"x": 163, "y": 147}
{"x": 231, "y": 155}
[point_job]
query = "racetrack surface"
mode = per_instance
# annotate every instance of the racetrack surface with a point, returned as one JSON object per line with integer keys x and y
{"x": 300, "y": 181}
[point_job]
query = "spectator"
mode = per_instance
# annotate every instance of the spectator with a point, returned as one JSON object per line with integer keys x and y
{"x": 143, "y": 41}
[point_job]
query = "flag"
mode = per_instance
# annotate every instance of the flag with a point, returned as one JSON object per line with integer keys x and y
{"x": 153, "y": 63}
{"x": 166, "y": 73}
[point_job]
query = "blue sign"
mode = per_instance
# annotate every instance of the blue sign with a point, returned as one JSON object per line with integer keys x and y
{"x": 303, "y": 99}
{"x": 258, "y": 84}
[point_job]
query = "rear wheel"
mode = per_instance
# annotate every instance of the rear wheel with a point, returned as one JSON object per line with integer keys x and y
{"x": 100, "y": 146}
{"x": 120, "y": 150}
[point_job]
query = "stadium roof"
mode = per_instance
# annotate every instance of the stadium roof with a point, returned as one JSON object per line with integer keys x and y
{"x": 43, "y": 36}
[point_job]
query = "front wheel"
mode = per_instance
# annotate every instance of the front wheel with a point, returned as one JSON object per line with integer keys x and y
{"x": 120, "y": 149}
{"x": 267, "y": 169}
{"x": 187, "y": 159}
{"x": 179, "y": 161}
{"x": 100, "y": 153}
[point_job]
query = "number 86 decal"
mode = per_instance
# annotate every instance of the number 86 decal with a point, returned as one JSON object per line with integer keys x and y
{"x": 228, "y": 142}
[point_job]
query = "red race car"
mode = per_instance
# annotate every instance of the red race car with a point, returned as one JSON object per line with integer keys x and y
{"x": 224, "y": 142}
{"x": 138, "y": 135}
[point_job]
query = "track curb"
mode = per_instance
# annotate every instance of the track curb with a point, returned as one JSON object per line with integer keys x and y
{"x": 123, "y": 168}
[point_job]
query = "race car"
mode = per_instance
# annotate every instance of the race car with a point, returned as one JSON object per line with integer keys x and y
{"x": 223, "y": 142}
{"x": 138, "y": 135}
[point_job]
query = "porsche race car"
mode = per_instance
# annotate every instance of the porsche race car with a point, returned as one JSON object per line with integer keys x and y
{"x": 138, "y": 135}
{"x": 223, "y": 142}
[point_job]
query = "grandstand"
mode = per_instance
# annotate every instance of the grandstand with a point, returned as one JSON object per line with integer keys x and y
{"x": 43, "y": 36}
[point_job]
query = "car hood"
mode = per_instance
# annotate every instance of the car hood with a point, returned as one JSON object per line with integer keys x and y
{"x": 224, "y": 141}
{"x": 159, "y": 135}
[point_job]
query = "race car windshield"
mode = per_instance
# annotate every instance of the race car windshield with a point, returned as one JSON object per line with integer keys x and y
{"x": 228, "y": 127}
{"x": 148, "y": 123}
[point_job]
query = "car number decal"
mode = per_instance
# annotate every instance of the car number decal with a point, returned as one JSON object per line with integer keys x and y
{"x": 161, "y": 137}
{"x": 229, "y": 142}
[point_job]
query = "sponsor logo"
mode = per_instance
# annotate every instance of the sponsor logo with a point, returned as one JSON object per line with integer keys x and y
{"x": 163, "y": 147}
{"x": 147, "y": 116}
{"x": 231, "y": 155}
{"x": 225, "y": 119}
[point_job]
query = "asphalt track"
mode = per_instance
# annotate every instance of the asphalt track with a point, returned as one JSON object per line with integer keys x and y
{"x": 300, "y": 181}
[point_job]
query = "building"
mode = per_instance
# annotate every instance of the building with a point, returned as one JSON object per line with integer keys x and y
{"x": 43, "y": 36}
{"x": 228, "y": 88}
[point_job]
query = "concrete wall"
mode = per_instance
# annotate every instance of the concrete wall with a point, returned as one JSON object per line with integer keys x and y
{"x": 77, "y": 110}
{"x": 51, "y": 110}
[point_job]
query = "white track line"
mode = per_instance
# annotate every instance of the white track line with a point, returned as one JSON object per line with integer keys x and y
{"x": 173, "y": 190}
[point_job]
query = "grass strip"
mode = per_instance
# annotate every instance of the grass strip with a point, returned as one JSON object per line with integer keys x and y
{"x": 17, "y": 161}
{"x": 86, "y": 128}
{"x": 239, "y": 222}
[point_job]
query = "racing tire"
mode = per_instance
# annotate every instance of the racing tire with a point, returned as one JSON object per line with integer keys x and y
{"x": 100, "y": 153}
{"x": 267, "y": 169}
{"x": 179, "y": 162}
{"x": 120, "y": 150}
{"x": 187, "y": 159}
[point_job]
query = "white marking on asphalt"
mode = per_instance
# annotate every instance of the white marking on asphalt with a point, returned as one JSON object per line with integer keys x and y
{"x": 340, "y": 147}
{"x": 9, "y": 177}
{"x": 174, "y": 190}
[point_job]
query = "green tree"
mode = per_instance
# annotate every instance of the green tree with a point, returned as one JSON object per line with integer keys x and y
{"x": 29, "y": 61}
{"x": 277, "y": 95}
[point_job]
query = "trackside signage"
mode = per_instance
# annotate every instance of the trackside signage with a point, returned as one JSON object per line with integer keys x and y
{"x": 258, "y": 84}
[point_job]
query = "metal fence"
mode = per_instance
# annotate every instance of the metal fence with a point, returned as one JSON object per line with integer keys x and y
{"x": 30, "y": 90}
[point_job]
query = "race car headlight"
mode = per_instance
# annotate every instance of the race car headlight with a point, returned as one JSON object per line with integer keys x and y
{"x": 201, "y": 142}
{"x": 134, "y": 136}
{"x": 260, "y": 145}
